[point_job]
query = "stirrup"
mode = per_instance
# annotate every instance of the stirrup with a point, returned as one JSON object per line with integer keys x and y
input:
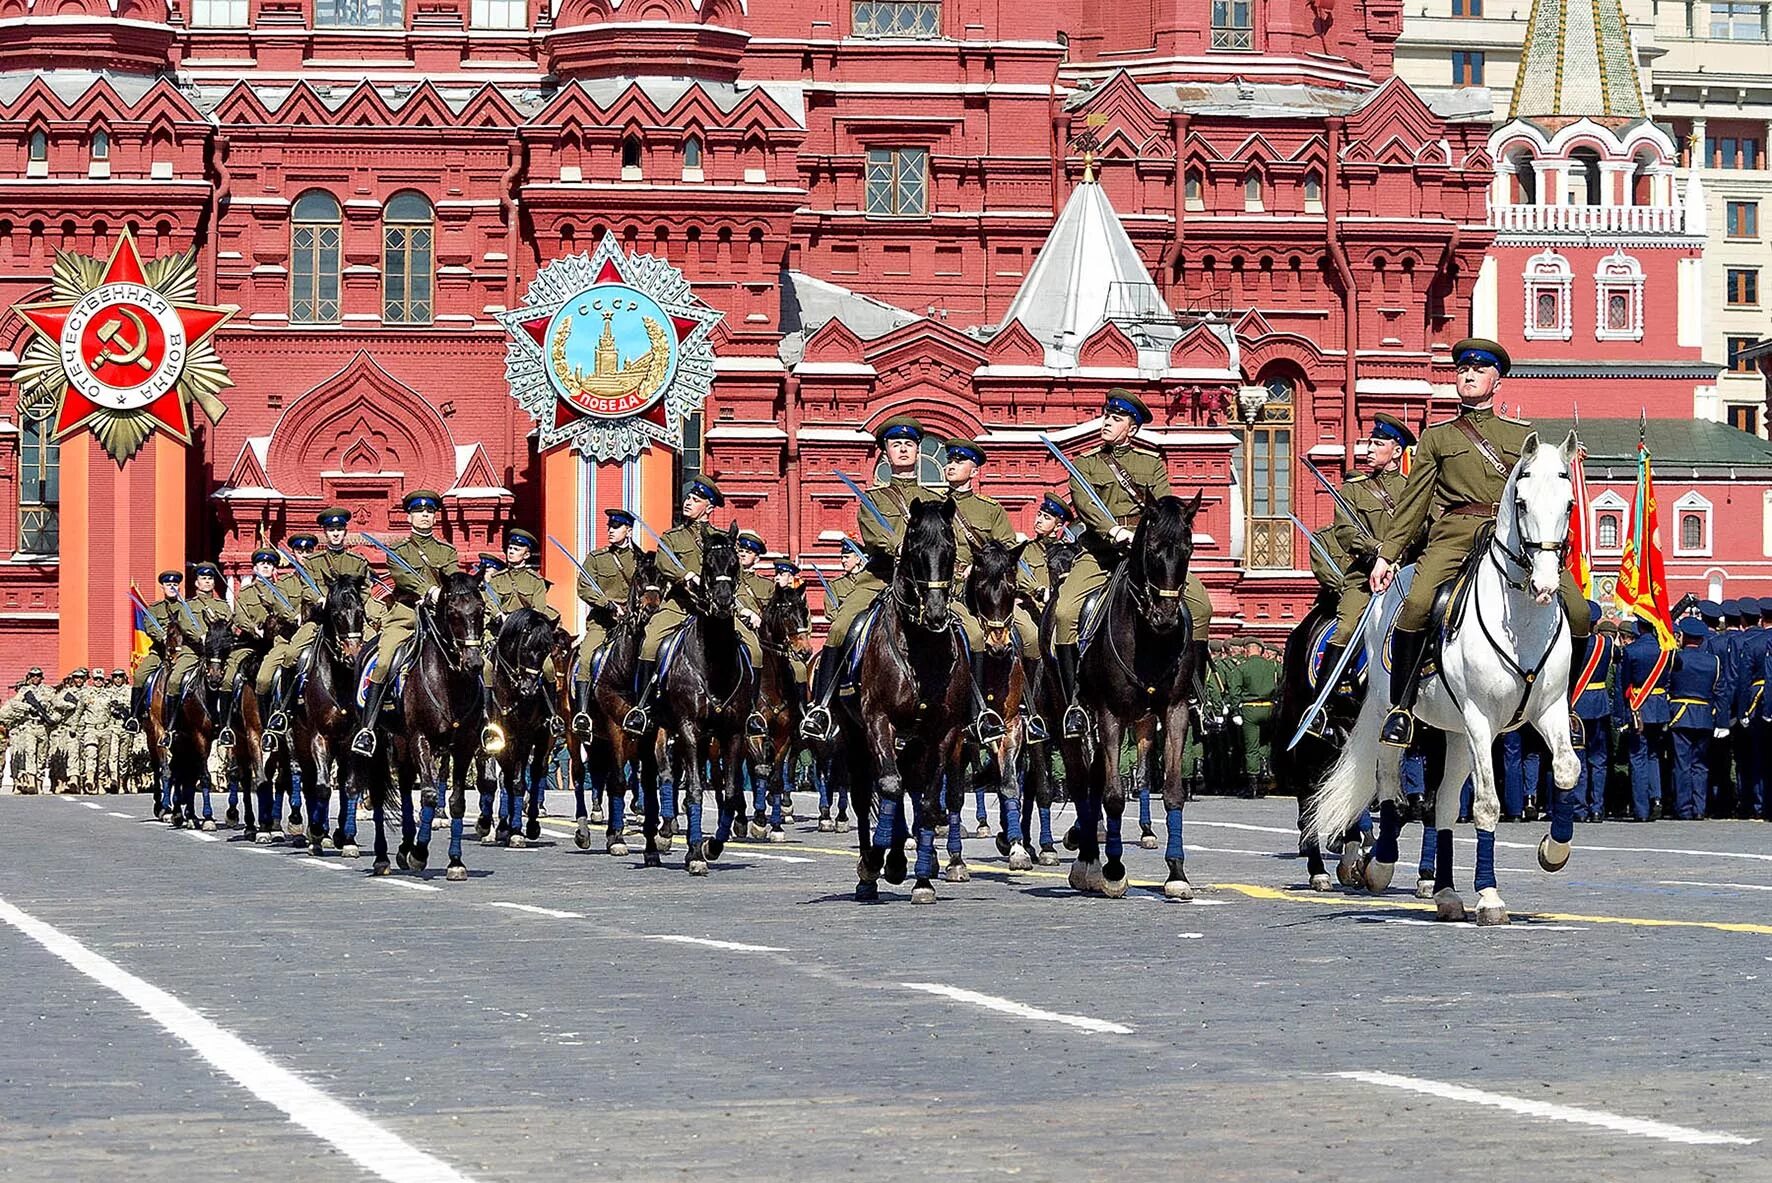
{"x": 581, "y": 724}
{"x": 278, "y": 722}
{"x": 363, "y": 743}
{"x": 1577, "y": 731}
{"x": 988, "y": 727}
{"x": 1036, "y": 727}
{"x": 1076, "y": 722}
{"x": 492, "y": 739}
{"x": 1399, "y": 729}
{"x": 756, "y": 726}
{"x": 817, "y": 723}
{"x": 635, "y": 721}
{"x": 226, "y": 738}
{"x": 556, "y": 726}
{"x": 268, "y": 742}
{"x": 132, "y": 725}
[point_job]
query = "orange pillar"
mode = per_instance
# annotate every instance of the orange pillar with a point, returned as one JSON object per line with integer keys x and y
{"x": 561, "y": 509}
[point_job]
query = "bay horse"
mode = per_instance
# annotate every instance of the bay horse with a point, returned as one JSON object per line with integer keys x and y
{"x": 902, "y": 729}
{"x": 182, "y": 756}
{"x": 433, "y": 730}
{"x": 706, "y": 694}
{"x": 325, "y": 717}
{"x": 1135, "y": 678}
{"x": 990, "y": 597}
{"x": 1507, "y": 666}
{"x": 611, "y": 755}
{"x": 785, "y": 635}
{"x": 524, "y": 703}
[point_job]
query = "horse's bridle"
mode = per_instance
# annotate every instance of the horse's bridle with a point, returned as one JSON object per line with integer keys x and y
{"x": 1522, "y": 559}
{"x": 471, "y": 644}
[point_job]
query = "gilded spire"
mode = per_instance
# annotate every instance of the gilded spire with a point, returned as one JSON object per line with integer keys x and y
{"x": 1578, "y": 60}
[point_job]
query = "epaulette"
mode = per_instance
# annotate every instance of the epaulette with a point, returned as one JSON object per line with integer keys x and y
{"x": 1356, "y": 479}
{"x": 1147, "y": 450}
{"x": 1511, "y": 419}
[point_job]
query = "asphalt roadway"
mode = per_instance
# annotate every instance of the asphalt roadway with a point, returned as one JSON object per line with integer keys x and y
{"x": 191, "y": 1007}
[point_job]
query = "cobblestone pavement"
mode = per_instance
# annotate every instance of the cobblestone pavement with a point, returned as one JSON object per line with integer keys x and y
{"x": 191, "y": 1007}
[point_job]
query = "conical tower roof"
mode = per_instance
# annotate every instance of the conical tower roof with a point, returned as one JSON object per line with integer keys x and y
{"x": 1578, "y": 60}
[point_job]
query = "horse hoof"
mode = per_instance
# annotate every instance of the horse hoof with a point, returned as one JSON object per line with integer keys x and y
{"x": 1178, "y": 889}
{"x": 1490, "y": 910}
{"x": 664, "y": 842}
{"x": 983, "y": 830}
{"x": 489, "y": 839}
{"x": 896, "y": 868}
{"x": 1114, "y": 889}
{"x": 1070, "y": 838}
{"x": 757, "y": 831}
{"x": 1424, "y": 889}
{"x": 1097, "y": 880}
{"x": 457, "y": 873}
{"x": 842, "y": 825}
{"x": 698, "y": 866}
{"x": 233, "y": 817}
{"x": 618, "y": 849}
{"x": 419, "y": 856}
{"x": 867, "y": 892}
{"x": 923, "y": 893}
{"x": 957, "y": 873}
{"x": 1019, "y": 859}
{"x": 597, "y": 818}
{"x": 652, "y": 859}
{"x": 826, "y": 826}
{"x": 532, "y": 831}
{"x": 1147, "y": 840}
{"x": 778, "y": 835}
{"x": 263, "y": 839}
{"x": 208, "y": 826}
{"x": 1447, "y": 906}
{"x": 518, "y": 840}
{"x": 482, "y": 827}
{"x": 381, "y": 867}
{"x": 1378, "y": 875}
{"x": 715, "y": 849}
{"x": 1321, "y": 881}
{"x": 667, "y": 827}
{"x": 581, "y": 837}
{"x": 348, "y": 850}
{"x": 1048, "y": 857}
{"x": 1079, "y": 876}
{"x": 1553, "y": 856}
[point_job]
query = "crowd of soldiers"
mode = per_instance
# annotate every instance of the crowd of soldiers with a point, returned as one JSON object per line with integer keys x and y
{"x": 70, "y": 737}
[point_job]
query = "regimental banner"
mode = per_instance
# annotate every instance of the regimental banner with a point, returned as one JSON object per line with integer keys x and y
{"x": 610, "y": 352}
{"x": 122, "y": 349}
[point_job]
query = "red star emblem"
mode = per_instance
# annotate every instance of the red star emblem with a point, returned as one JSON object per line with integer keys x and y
{"x": 123, "y": 346}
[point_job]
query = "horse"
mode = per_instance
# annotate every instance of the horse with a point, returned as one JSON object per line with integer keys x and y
{"x": 524, "y": 703}
{"x": 1136, "y": 677}
{"x": 1506, "y": 666}
{"x": 1044, "y": 779}
{"x": 706, "y": 695}
{"x": 183, "y": 759}
{"x": 607, "y": 758}
{"x": 903, "y": 727}
{"x": 326, "y": 714}
{"x": 785, "y": 634}
{"x": 990, "y": 596}
{"x": 435, "y": 728}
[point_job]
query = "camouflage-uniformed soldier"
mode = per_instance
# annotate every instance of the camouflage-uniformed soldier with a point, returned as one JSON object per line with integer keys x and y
{"x": 900, "y": 439}
{"x": 977, "y": 520}
{"x": 1460, "y": 469}
{"x": 1373, "y": 498}
{"x": 605, "y": 596}
{"x": 334, "y": 559}
{"x": 1120, "y": 474}
{"x": 423, "y": 559}
{"x": 680, "y": 566}
{"x": 29, "y": 717}
{"x": 68, "y": 707}
{"x": 105, "y": 750}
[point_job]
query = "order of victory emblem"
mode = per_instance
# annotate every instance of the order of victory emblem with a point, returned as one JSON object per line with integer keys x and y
{"x": 122, "y": 349}
{"x": 610, "y": 352}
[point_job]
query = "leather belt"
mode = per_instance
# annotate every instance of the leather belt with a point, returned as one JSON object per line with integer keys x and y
{"x": 1474, "y": 509}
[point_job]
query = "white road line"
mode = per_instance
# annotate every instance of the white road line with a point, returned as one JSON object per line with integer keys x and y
{"x": 1706, "y": 883}
{"x": 1739, "y": 854}
{"x": 407, "y": 886}
{"x": 379, "y": 1151}
{"x": 554, "y": 912}
{"x": 92, "y": 804}
{"x": 1470, "y": 925}
{"x": 319, "y": 865}
{"x": 128, "y": 817}
{"x": 1009, "y": 1006}
{"x": 732, "y": 946}
{"x": 201, "y": 836}
{"x": 1191, "y": 936}
{"x": 774, "y": 858}
{"x": 1642, "y": 1127}
{"x": 1196, "y": 821}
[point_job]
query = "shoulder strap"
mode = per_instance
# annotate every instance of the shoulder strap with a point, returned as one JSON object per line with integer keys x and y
{"x": 1123, "y": 477}
{"x": 892, "y": 493}
{"x": 972, "y": 534}
{"x": 1481, "y": 444}
{"x": 1384, "y": 497}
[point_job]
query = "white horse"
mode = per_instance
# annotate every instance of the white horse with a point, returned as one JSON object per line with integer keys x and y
{"x": 1508, "y": 665}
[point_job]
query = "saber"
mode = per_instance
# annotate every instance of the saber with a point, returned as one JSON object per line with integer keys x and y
{"x": 385, "y": 549}
{"x": 1322, "y": 552}
{"x": 1332, "y": 679}
{"x": 830, "y": 594}
{"x": 588, "y": 577}
{"x": 282, "y": 599}
{"x": 663, "y": 547}
{"x": 1340, "y": 501}
{"x": 1076, "y": 476}
{"x": 867, "y": 503}
{"x": 303, "y": 572}
{"x": 147, "y": 617}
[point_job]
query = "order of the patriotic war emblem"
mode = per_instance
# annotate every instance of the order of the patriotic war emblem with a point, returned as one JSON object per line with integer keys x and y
{"x": 610, "y": 352}
{"x": 122, "y": 349}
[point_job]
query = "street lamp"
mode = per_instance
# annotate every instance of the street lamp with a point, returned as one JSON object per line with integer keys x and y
{"x": 1250, "y": 401}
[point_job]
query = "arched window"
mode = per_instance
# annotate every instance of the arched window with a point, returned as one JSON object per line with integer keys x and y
{"x": 1525, "y": 178}
{"x": 1693, "y": 513}
{"x": 98, "y": 150}
{"x": 1268, "y": 471}
{"x": 101, "y": 145}
{"x": 1618, "y": 294}
{"x": 1313, "y": 193}
{"x": 1608, "y": 510}
{"x": 1194, "y": 190}
{"x": 39, "y": 486}
{"x": 1607, "y": 536}
{"x": 1548, "y": 281}
{"x": 1252, "y": 191}
{"x": 630, "y": 158}
{"x": 313, "y": 259}
{"x": 692, "y": 159}
{"x": 408, "y": 237}
{"x": 37, "y": 152}
{"x": 1584, "y": 178}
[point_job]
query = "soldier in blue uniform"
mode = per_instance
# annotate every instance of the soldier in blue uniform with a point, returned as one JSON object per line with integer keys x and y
{"x": 1750, "y": 697}
{"x": 1726, "y": 643}
{"x": 1593, "y": 706}
{"x": 1643, "y": 712}
{"x": 1695, "y": 683}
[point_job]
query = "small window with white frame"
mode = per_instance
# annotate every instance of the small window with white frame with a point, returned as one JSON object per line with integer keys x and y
{"x": 1548, "y": 280}
{"x": 218, "y": 14}
{"x": 500, "y": 14}
{"x": 1618, "y": 294}
{"x": 1692, "y": 526}
{"x": 1608, "y": 510}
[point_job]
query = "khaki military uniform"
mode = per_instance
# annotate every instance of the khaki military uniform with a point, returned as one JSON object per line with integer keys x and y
{"x": 194, "y": 615}
{"x": 979, "y": 519}
{"x": 686, "y": 543}
{"x": 1102, "y": 469}
{"x": 893, "y": 498}
{"x": 1373, "y": 499}
{"x": 613, "y": 569}
{"x": 755, "y": 590}
{"x": 329, "y": 564}
{"x": 1451, "y": 492}
{"x": 255, "y": 606}
{"x": 284, "y": 653}
{"x": 161, "y": 613}
{"x": 1255, "y": 686}
{"x": 428, "y": 557}
{"x": 1034, "y": 577}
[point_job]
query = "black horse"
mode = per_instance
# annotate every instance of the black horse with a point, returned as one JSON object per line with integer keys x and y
{"x": 183, "y": 751}
{"x": 1304, "y": 766}
{"x": 785, "y": 635}
{"x": 524, "y": 703}
{"x": 706, "y": 695}
{"x": 612, "y": 753}
{"x": 325, "y": 717}
{"x": 1004, "y": 687}
{"x": 433, "y": 730}
{"x": 902, "y": 729}
{"x": 1045, "y": 777}
{"x": 1135, "y": 679}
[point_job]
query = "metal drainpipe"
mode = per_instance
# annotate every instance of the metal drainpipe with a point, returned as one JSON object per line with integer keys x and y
{"x": 791, "y": 422}
{"x": 1350, "y": 302}
{"x": 1178, "y": 122}
{"x": 508, "y": 196}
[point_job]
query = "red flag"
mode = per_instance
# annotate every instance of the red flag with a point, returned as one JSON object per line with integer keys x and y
{"x": 1579, "y": 564}
{"x": 1642, "y": 573}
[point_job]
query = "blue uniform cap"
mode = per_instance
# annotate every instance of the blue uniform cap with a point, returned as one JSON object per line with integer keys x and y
{"x": 209, "y": 569}
{"x": 303, "y": 542}
{"x": 491, "y": 564}
{"x": 1691, "y": 626}
{"x": 264, "y": 556}
{"x": 171, "y": 577}
{"x": 1731, "y": 609}
{"x": 1710, "y": 609}
{"x": 752, "y": 543}
{"x": 1055, "y": 507}
{"x": 1127, "y": 403}
{"x": 965, "y": 450}
{"x": 705, "y": 489}
{"x": 1763, "y": 606}
{"x": 334, "y": 517}
{"x": 786, "y": 566}
{"x": 619, "y": 517}
{"x": 851, "y": 544}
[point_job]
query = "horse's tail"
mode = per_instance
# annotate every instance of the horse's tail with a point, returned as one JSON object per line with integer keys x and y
{"x": 1348, "y": 787}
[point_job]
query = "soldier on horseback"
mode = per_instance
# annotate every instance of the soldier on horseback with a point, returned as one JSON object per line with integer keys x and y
{"x": 194, "y": 616}
{"x": 757, "y": 583}
{"x": 162, "y": 614}
{"x": 422, "y": 559}
{"x": 336, "y": 560}
{"x": 900, "y": 439}
{"x": 517, "y": 584}
{"x": 276, "y": 672}
{"x": 1460, "y": 469}
{"x": 257, "y": 609}
{"x": 605, "y": 595}
{"x": 1050, "y": 529}
{"x": 1122, "y": 476}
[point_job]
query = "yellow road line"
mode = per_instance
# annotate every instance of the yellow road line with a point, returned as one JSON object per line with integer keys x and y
{"x": 1336, "y": 900}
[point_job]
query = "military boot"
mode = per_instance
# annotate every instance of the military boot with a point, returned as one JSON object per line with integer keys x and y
{"x": 581, "y": 714}
{"x": 639, "y": 718}
{"x": 138, "y": 706}
{"x": 1076, "y": 722}
{"x": 988, "y": 726}
{"x": 1034, "y": 674}
{"x": 817, "y": 725}
{"x": 363, "y": 743}
{"x": 1407, "y": 648}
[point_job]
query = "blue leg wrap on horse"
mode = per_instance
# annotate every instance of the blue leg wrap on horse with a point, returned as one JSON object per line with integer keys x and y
{"x": 1116, "y": 845}
{"x": 1172, "y": 822}
{"x": 901, "y": 825}
{"x": 207, "y": 811}
{"x": 694, "y": 821}
{"x": 1364, "y": 824}
{"x": 1012, "y": 817}
{"x": 824, "y": 790}
{"x": 455, "y": 829}
{"x": 1562, "y": 827}
{"x": 775, "y": 816}
{"x": 1045, "y": 825}
{"x": 667, "y": 801}
{"x": 886, "y": 827}
{"x": 618, "y": 813}
{"x": 294, "y": 788}
{"x": 983, "y": 817}
{"x": 1442, "y": 859}
{"x": 1144, "y": 807}
{"x": 1390, "y": 824}
{"x": 1485, "y": 859}
{"x": 954, "y": 845}
{"x": 1425, "y": 867}
{"x": 925, "y": 852}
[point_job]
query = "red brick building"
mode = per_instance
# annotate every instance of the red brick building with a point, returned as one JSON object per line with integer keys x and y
{"x": 888, "y": 201}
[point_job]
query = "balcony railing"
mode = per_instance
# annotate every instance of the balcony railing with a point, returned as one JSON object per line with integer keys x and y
{"x": 1644, "y": 219}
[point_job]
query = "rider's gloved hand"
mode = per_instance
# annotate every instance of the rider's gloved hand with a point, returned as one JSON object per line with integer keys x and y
{"x": 1720, "y": 733}
{"x": 1122, "y": 535}
{"x": 750, "y": 618}
{"x": 433, "y": 593}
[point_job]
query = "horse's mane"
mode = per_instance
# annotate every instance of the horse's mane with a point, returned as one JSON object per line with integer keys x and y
{"x": 783, "y": 608}
{"x": 1167, "y": 524}
{"x": 930, "y": 528}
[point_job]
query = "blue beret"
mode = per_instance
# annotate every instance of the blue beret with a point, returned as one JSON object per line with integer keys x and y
{"x": 1691, "y": 626}
{"x": 1056, "y": 508}
{"x": 618, "y": 517}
